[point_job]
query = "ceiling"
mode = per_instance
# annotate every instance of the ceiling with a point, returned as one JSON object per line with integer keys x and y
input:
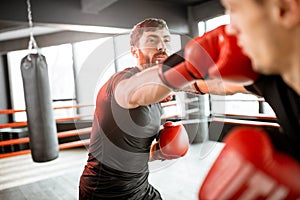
{"x": 53, "y": 16}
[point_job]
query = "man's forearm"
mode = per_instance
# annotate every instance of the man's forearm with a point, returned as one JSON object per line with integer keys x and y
{"x": 143, "y": 88}
{"x": 220, "y": 87}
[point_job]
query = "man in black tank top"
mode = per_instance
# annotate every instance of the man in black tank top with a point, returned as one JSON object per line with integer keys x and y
{"x": 126, "y": 121}
{"x": 257, "y": 163}
{"x": 276, "y": 57}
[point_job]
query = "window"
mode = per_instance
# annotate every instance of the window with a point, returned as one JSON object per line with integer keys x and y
{"x": 91, "y": 59}
{"x": 61, "y": 77}
{"x": 204, "y": 26}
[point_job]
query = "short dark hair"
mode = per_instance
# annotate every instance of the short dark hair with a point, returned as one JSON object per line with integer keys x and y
{"x": 150, "y": 24}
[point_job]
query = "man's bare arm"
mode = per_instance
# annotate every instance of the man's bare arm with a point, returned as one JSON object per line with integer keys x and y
{"x": 220, "y": 87}
{"x": 143, "y": 88}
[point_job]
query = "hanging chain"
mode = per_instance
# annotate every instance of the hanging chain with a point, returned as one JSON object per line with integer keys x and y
{"x": 32, "y": 43}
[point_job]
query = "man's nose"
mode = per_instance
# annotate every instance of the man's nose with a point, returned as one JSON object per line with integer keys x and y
{"x": 162, "y": 47}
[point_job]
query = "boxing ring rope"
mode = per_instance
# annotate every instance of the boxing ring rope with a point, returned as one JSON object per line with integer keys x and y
{"x": 239, "y": 116}
{"x": 63, "y": 134}
{"x": 244, "y": 122}
{"x": 12, "y": 111}
{"x": 62, "y": 146}
{"x": 222, "y": 118}
{"x": 21, "y": 124}
{"x": 259, "y": 119}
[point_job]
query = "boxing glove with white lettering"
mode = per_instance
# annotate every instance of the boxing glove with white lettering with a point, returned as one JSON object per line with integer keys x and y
{"x": 250, "y": 168}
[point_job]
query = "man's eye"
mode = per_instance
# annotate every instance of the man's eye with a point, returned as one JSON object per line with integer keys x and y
{"x": 152, "y": 40}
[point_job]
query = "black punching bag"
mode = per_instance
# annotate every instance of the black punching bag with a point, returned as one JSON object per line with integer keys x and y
{"x": 39, "y": 111}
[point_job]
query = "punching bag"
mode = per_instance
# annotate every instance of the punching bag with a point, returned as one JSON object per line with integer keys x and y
{"x": 41, "y": 124}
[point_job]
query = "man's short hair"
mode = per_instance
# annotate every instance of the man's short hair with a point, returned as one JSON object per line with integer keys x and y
{"x": 150, "y": 24}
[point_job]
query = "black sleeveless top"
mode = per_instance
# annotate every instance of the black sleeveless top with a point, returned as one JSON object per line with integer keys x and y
{"x": 120, "y": 143}
{"x": 285, "y": 102}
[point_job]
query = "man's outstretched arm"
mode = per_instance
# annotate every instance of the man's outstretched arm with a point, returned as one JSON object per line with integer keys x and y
{"x": 143, "y": 88}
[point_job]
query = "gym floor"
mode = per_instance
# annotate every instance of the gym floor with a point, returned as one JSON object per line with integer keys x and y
{"x": 21, "y": 178}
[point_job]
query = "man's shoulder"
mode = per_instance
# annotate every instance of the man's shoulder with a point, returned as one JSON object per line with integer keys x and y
{"x": 121, "y": 75}
{"x": 264, "y": 83}
{"x": 127, "y": 72}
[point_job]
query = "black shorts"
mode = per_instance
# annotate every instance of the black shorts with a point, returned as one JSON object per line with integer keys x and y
{"x": 102, "y": 182}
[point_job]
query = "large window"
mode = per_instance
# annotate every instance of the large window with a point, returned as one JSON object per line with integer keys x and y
{"x": 93, "y": 61}
{"x": 210, "y": 24}
{"x": 61, "y": 77}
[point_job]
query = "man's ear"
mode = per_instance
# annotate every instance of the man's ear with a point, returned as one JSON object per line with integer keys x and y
{"x": 289, "y": 12}
{"x": 134, "y": 51}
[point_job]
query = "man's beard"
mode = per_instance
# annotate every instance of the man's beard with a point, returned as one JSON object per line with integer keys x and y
{"x": 158, "y": 58}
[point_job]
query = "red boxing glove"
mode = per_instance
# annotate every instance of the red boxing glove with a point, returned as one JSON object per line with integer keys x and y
{"x": 173, "y": 142}
{"x": 214, "y": 55}
{"x": 249, "y": 168}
